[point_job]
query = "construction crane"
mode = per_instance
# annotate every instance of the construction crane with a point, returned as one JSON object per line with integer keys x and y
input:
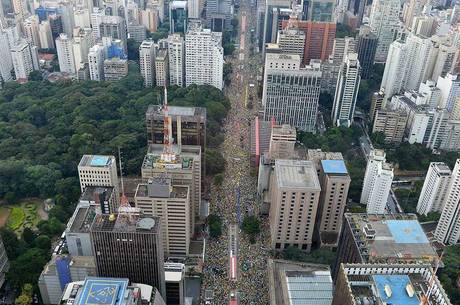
{"x": 425, "y": 298}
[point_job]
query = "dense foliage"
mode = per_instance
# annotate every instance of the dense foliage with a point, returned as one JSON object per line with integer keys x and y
{"x": 449, "y": 275}
{"x": 319, "y": 256}
{"x": 215, "y": 225}
{"x": 45, "y": 129}
{"x": 251, "y": 226}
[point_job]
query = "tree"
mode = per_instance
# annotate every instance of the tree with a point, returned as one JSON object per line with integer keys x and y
{"x": 378, "y": 139}
{"x": 133, "y": 49}
{"x": 251, "y": 226}
{"x": 28, "y": 235}
{"x": 215, "y": 225}
{"x": 218, "y": 179}
{"x": 43, "y": 242}
{"x": 234, "y": 22}
{"x": 27, "y": 267}
{"x": 229, "y": 48}
{"x": 319, "y": 256}
{"x": 25, "y": 298}
{"x": 35, "y": 76}
{"x": 215, "y": 162}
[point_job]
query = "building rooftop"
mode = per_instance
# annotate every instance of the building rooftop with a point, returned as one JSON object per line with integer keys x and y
{"x": 96, "y": 160}
{"x": 176, "y": 191}
{"x": 334, "y": 167}
{"x": 295, "y": 283}
{"x": 396, "y": 284}
{"x": 174, "y": 272}
{"x": 126, "y": 222}
{"x": 186, "y": 113}
{"x": 390, "y": 238}
{"x": 180, "y": 158}
{"x": 82, "y": 218}
{"x": 296, "y": 174}
{"x": 96, "y": 193}
{"x": 442, "y": 167}
{"x": 106, "y": 291}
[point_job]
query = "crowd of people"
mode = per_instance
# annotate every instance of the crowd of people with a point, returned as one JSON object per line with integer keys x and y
{"x": 231, "y": 201}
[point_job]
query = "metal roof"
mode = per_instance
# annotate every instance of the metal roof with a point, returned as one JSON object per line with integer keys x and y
{"x": 310, "y": 288}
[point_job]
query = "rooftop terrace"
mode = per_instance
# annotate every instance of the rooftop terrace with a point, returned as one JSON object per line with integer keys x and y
{"x": 126, "y": 222}
{"x": 296, "y": 174}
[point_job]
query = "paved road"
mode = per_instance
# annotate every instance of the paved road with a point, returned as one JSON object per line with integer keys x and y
{"x": 251, "y": 284}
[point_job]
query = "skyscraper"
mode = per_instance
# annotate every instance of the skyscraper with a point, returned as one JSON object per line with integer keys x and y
{"x": 448, "y": 228}
{"x": 96, "y": 56}
{"x": 377, "y": 183}
{"x": 384, "y": 22}
{"x": 343, "y": 47}
{"x": 275, "y": 12}
{"x": 6, "y": 63}
{"x": 162, "y": 68}
{"x": 45, "y": 34}
{"x": 31, "y": 30}
{"x": 170, "y": 203}
{"x": 128, "y": 245}
{"x": 292, "y": 41}
{"x": 450, "y": 89}
{"x": 115, "y": 28}
{"x": 178, "y": 16}
{"x": 290, "y": 93}
{"x": 395, "y": 69}
{"x": 204, "y": 57}
{"x": 176, "y": 54}
{"x": 346, "y": 91}
{"x": 147, "y": 62}
{"x": 366, "y": 48}
{"x": 64, "y": 48}
{"x": 25, "y": 59}
{"x": 295, "y": 192}
{"x": 435, "y": 187}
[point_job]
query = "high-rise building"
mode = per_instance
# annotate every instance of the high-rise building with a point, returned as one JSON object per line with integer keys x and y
{"x": 129, "y": 245}
{"x": 292, "y": 41}
{"x": 178, "y": 16}
{"x": 45, "y": 35}
{"x": 147, "y": 62}
{"x": 290, "y": 93}
{"x": 347, "y": 91}
{"x": 274, "y": 12}
{"x": 96, "y": 56}
{"x": 377, "y": 183}
{"x": 448, "y": 228}
{"x": 445, "y": 61}
{"x": 412, "y": 9}
{"x": 387, "y": 283}
{"x": 188, "y": 125}
{"x": 176, "y": 56}
{"x": 183, "y": 165}
{"x": 366, "y": 48}
{"x": 4, "y": 263}
{"x": 137, "y": 32}
{"x": 343, "y": 47}
{"x": 77, "y": 233}
{"x": 115, "y": 28}
{"x": 162, "y": 68}
{"x": 424, "y": 26}
{"x": 170, "y": 203}
{"x": 335, "y": 182}
{"x": 64, "y": 48}
{"x": 115, "y": 69}
{"x": 149, "y": 18}
{"x": 282, "y": 142}
{"x": 295, "y": 192}
{"x": 66, "y": 10}
{"x": 204, "y": 57}
{"x": 194, "y": 9}
{"x": 31, "y": 30}
{"x": 175, "y": 283}
{"x": 434, "y": 191}
{"x": 218, "y": 14}
{"x": 25, "y": 59}
{"x": 376, "y": 104}
{"x": 20, "y": 9}
{"x": 319, "y": 38}
{"x": 392, "y": 123}
{"x": 82, "y": 18}
{"x": 82, "y": 42}
{"x": 380, "y": 239}
{"x": 395, "y": 69}
{"x": 115, "y": 291}
{"x": 450, "y": 89}
{"x": 6, "y": 62}
{"x": 384, "y": 22}
{"x": 94, "y": 170}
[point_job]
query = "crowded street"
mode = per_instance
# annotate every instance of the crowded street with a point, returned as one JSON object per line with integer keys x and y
{"x": 236, "y": 197}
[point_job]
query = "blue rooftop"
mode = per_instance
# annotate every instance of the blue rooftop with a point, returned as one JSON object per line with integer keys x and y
{"x": 334, "y": 167}
{"x": 407, "y": 232}
{"x": 102, "y": 291}
{"x": 99, "y": 160}
{"x": 397, "y": 283}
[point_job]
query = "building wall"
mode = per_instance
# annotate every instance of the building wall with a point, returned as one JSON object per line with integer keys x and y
{"x": 434, "y": 190}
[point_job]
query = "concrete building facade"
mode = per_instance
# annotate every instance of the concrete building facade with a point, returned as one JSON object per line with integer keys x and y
{"x": 434, "y": 190}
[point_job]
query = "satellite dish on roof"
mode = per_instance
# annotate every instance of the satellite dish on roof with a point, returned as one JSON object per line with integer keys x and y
{"x": 146, "y": 223}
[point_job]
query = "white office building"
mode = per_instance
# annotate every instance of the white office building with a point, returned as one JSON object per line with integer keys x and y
{"x": 395, "y": 66}
{"x": 434, "y": 191}
{"x": 45, "y": 34}
{"x": 64, "y": 48}
{"x": 147, "y": 55}
{"x": 290, "y": 93}
{"x": 448, "y": 229}
{"x": 346, "y": 91}
{"x": 204, "y": 57}
{"x": 96, "y": 57}
{"x": 176, "y": 56}
{"x": 6, "y": 63}
{"x": 384, "y": 22}
{"x": 25, "y": 59}
{"x": 450, "y": 89}
{"x": 377, "y": 183}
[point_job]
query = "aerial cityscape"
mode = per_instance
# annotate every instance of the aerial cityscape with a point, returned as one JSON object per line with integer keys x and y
{"x": 240, "y": 152}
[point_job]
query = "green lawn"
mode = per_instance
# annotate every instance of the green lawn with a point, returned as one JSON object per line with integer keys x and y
{"x": 16, "y": 218}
